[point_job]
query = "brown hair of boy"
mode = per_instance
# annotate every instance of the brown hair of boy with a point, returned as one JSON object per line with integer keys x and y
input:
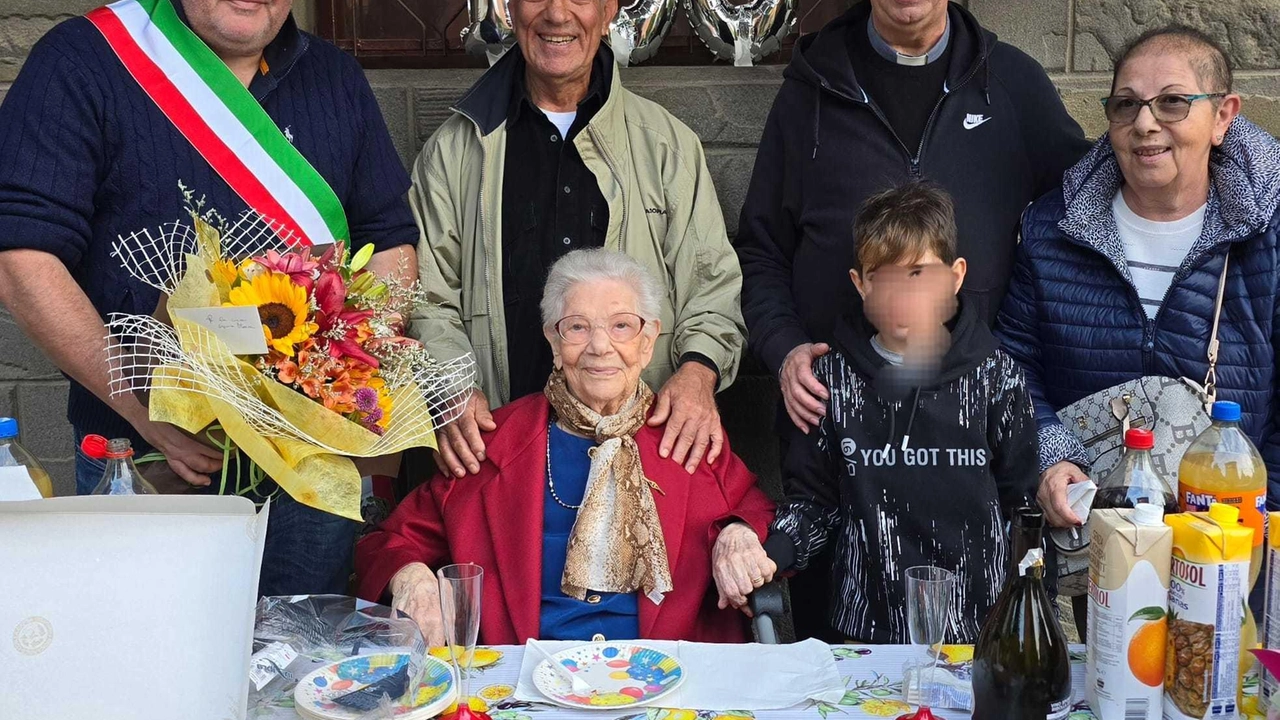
{"x": 904, "y": 224}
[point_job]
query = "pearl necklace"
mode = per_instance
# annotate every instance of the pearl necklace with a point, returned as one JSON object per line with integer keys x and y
{"x": 551, "y": 484}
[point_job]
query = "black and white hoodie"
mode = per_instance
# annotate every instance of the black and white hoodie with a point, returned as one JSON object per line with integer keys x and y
{"x": 928, "y": 480}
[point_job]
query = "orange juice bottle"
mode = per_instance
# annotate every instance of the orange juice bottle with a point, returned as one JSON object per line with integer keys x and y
{"x": 1223, "y": 466}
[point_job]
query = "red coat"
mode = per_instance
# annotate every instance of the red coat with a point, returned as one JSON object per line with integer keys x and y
{"x": 494, "y": 519}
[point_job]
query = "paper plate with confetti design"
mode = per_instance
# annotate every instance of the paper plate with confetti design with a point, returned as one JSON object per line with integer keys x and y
{"x": 349, "y": 689}
{"x": 622, "y": 674}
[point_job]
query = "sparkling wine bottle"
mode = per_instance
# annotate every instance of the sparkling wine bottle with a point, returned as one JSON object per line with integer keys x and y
{"x": 1020, "y": 666}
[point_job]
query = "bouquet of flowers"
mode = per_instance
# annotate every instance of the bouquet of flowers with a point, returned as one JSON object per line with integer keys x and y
{"x": 338, "y": 379}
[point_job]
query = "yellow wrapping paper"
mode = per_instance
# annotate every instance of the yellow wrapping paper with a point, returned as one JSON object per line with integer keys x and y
{"x": 315, "y": 472}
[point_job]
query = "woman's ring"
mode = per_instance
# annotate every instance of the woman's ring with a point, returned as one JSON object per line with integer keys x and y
{"x": 757, "y": 581}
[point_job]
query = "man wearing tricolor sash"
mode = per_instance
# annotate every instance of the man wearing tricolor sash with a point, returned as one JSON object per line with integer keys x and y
{"x": 229, "y": 98}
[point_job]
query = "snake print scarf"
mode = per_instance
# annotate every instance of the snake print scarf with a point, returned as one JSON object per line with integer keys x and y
{"x": 616, "y": 544}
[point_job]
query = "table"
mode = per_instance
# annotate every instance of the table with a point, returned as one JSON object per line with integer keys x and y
{"x": 872, "y": 674}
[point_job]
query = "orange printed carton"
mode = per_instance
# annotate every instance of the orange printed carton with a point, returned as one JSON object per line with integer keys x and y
{"x": 1271, "y": 620}
{"x": 1209, "y": 576}
{"x": 1129, "y": 555}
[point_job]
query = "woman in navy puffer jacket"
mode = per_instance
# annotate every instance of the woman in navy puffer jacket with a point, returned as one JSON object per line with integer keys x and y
{"x": 1118, "y": 271}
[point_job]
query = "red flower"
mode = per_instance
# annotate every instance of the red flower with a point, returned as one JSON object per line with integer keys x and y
{"x": 346, "y": 330}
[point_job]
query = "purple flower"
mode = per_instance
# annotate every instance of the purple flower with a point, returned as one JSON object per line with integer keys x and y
{"x": 373, "y": 416}
{"x": 367, "y": 400}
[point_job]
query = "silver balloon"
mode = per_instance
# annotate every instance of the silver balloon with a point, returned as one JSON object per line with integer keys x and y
{"x": 490, "y": 30}
{"x": 637, "y": 33}
{"x": 742, "y": 33}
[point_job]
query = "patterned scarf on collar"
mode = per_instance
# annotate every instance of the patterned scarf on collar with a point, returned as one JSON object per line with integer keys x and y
{"x": 616, "y": 544}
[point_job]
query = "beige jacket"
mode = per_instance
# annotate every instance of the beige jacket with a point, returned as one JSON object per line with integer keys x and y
{"x": 662, "y": 211}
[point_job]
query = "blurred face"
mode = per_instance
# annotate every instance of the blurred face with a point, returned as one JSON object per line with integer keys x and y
{"x": 1161, "y": 157}
{"x": 240, "y": 28}
{"x": 559, "y": 38}
{"x": 910, "y": 300}
{"x": 601, "y": 369}
{"x": 904, "y": 15}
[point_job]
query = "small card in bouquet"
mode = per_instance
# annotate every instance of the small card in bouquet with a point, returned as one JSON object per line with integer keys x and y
{"x": 238, "y": 327}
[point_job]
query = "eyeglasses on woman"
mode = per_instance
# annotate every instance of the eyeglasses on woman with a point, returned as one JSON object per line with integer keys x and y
{"x": 620, "y": 327}
{"x": 1166, "y": 107}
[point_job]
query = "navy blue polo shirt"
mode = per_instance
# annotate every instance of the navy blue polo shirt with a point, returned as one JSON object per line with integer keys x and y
{"x": 86, "y": 156}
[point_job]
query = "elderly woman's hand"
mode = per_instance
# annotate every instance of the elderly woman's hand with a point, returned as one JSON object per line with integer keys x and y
{"x": 416, "y": 592}
{"x": 739, "y": 565}
{"x": 1052, "y": 494}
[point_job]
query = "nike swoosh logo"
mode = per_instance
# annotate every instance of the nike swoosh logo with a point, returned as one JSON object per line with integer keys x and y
{"x": 971, "y": 123}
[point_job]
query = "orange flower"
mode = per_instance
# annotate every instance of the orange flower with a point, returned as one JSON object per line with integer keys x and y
{"x": 286, "y": 371}
{"x": 312, "y": 387}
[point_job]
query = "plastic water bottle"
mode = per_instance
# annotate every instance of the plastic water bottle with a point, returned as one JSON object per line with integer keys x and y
{"x": 16, "y": 457}
{"x": 121, "y": 476}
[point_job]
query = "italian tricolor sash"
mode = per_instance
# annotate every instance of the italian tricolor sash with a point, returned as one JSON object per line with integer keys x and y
{"x": 216, "y": 113}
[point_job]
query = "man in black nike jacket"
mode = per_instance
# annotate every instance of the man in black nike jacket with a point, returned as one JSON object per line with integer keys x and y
{"x": 890, "y": 92}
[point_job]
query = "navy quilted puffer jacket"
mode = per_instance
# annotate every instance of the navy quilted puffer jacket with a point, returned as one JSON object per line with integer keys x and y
{"x": 1073, "y": 319}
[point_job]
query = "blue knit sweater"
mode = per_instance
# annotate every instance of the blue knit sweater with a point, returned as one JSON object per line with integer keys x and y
{"x": 85, "y": 156}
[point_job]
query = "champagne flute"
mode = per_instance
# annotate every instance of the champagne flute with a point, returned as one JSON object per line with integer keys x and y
{"x": 929, "y": 593}
{"x": 460, "y": 590}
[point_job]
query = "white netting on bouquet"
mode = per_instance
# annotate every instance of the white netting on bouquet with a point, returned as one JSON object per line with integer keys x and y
{"x": 147, "y": 355}
{"x": 158, "y": 257}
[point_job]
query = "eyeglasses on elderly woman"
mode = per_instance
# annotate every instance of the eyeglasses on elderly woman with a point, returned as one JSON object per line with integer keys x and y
{"x": 1168, "y": 107}
{"x": 620, "y": 327}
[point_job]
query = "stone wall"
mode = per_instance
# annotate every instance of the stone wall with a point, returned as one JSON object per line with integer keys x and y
{"x": 1073, "y": 39}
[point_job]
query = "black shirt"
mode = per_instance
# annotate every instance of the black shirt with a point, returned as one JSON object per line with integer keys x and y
{"x": 906, "y": 94}
{"x": 551, "y": 204}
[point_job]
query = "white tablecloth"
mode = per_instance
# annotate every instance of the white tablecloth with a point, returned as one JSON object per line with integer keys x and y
{"x": 872, "y": 675}
{"x": 799, "y": 672}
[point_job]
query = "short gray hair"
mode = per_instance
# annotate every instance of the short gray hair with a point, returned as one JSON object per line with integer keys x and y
{"x": 582, "y": 266}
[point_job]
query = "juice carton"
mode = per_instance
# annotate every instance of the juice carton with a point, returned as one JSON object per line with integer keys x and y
{"x": 1129, "y": 555}
{"x": 1207, "y": 607}
{"x": 1271, "y": 621}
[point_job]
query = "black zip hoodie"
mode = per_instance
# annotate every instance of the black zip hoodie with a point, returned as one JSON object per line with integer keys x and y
{"x": 998, "y": 138}
{"x": 928, "y": 480}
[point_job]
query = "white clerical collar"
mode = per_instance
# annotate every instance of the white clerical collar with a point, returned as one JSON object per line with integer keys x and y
{"x": 888, "y": 53}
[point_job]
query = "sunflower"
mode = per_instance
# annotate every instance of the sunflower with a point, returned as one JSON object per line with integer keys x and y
{"x": 282, "y": 306}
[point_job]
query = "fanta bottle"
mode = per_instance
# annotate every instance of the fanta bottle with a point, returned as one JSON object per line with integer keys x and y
{"x": 1223, "y": 466}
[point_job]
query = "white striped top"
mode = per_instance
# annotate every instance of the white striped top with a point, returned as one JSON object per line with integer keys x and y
{"x": 1154, "y": 250}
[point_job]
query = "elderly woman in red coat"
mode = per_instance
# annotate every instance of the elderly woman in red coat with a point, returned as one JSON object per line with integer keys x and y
{"x": 580, "y": 525}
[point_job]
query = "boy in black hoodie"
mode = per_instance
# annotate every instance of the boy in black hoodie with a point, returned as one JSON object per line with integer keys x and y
{"x": 928, "y": 440}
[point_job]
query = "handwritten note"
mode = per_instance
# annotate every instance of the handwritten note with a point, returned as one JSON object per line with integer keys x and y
{"x": 239, "y": 328}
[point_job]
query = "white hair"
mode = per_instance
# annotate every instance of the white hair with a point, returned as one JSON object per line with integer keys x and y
{"x": 582, "y": 266}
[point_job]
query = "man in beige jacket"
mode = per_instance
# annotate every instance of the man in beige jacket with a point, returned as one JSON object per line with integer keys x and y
{"x": 545, "y": 154}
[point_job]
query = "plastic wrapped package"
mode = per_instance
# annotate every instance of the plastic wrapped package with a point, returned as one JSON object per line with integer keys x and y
{"x": 299, "y": 635}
